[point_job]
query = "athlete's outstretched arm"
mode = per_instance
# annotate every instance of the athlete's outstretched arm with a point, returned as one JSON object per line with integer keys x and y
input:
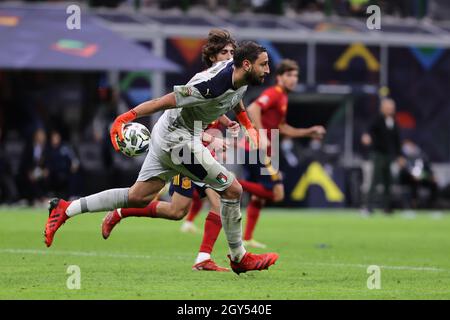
{"x": 152, "y": 106}
{"x": 312, "y": 132}
{"x": 254, "y": 110}
{"x": 144, "y": 109}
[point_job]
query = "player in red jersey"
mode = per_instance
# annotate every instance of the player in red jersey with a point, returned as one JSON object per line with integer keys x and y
{"x": 220, "y": 46}
{"x": 268, "y": 111}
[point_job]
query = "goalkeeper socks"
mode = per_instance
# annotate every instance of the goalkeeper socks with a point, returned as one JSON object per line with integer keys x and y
{"x": 253, "y": 211}
{"x": 102, "y": 201}
{"x": 256, "y": 189}
{"x": 231, "y": 223}
{"x": 195, "y": 208}
{"x": 148, "y": 211}
{"x": 213, "y": 224}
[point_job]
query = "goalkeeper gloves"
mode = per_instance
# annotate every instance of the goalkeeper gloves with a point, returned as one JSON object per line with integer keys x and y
{"x": 116, "y": 128}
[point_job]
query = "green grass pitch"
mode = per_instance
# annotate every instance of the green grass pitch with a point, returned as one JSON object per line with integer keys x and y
{"x": 323, "y": 255}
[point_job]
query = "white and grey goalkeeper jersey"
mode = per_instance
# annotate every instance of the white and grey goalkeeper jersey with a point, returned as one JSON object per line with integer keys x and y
{"x": 207, "y": 96}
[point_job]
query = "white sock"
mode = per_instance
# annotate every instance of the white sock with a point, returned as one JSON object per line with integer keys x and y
{"x": 102, "y": 201}
{"x": 74, "y": 208}
{"x": 187, "y": 223}
{"x": 202, "y": 256}
{"x": 231, "y": 224}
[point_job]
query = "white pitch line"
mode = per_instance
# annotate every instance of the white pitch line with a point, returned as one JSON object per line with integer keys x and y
{"x": 187, "y": 256}
{"x": 82, "y": 254}
{"x": 381, "y": 266}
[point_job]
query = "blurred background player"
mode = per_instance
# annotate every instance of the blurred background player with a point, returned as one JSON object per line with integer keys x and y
{"x": 186, "y": 194}
{"x": 63, "y": 166}
{"x": 384, "y": 139}
{"x": 268, "y": 112}
{"x": 8, "y": 188}
{"x": 34, "y": 169}
{"x": 417, "y": 173}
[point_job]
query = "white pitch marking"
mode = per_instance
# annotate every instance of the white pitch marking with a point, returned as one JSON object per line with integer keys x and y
{"x": 381, "y": 266}
{"x": 187, "y": 256}
{"x": 83, "y": 254}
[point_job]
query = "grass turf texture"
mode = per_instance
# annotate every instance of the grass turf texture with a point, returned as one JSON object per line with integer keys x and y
{"x": 323, "y": 255}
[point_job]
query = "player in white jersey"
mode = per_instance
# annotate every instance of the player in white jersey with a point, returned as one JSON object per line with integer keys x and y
{"x": 207, "y": 96}
{"x": 176, "y": 148}
{"x": 220, "y": 46}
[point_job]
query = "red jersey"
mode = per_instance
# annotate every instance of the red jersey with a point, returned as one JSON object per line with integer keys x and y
{"x": 273, "y": 103}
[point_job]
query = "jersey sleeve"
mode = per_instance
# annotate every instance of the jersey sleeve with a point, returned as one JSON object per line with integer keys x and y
{"x": 187, "y": 96}
{"x": 267, "y": 99}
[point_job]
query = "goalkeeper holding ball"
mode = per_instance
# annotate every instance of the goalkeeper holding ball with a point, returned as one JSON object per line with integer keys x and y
{"x": 176, "y": 147}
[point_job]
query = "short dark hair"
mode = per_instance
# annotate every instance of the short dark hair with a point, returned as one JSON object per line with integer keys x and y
{"x": 247, "y": 50}
{"x": 217, "y": 40}
{"x": 286, "y": 65}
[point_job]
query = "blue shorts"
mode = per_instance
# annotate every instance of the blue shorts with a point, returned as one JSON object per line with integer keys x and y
{"x": 253, "y": 174}
{"x": 184, "y": 186}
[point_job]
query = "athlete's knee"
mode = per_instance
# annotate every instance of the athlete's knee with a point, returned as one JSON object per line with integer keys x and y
{"x": 141, "y": 193}
{"x": 177, "y": 216}
{"x": 178, "y": 213}
{"x": 234, "y": 191}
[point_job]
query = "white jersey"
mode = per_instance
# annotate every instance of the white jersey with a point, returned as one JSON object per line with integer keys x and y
{"x": 207, "y": 96}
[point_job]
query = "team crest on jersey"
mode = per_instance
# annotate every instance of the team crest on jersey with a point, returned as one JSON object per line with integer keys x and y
{"x": 221, "y": 178}
{"x": 186, "y": 91}
{"x": 186, "y": 183}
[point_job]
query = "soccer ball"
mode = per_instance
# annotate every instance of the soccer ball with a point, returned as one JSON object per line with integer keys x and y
{"x": 136, "y": 138}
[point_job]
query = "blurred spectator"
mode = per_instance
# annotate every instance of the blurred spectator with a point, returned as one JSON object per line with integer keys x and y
{"x": 63, "y": 167}
{"x": 403, "y": 8}
{"x": 439, "y": 9}
{"x": 417, "y": 173}
{"x": 34, "y": 173}
{"x": 268, "y": 6}
{"x": 8, "y": 188}
{"x": 311, "y": 5}
{"x": 384, "y": 139}
{"x": 110, "y": 106}
{"x": 287, "y": 147}
{"x": 358, "y": 7}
